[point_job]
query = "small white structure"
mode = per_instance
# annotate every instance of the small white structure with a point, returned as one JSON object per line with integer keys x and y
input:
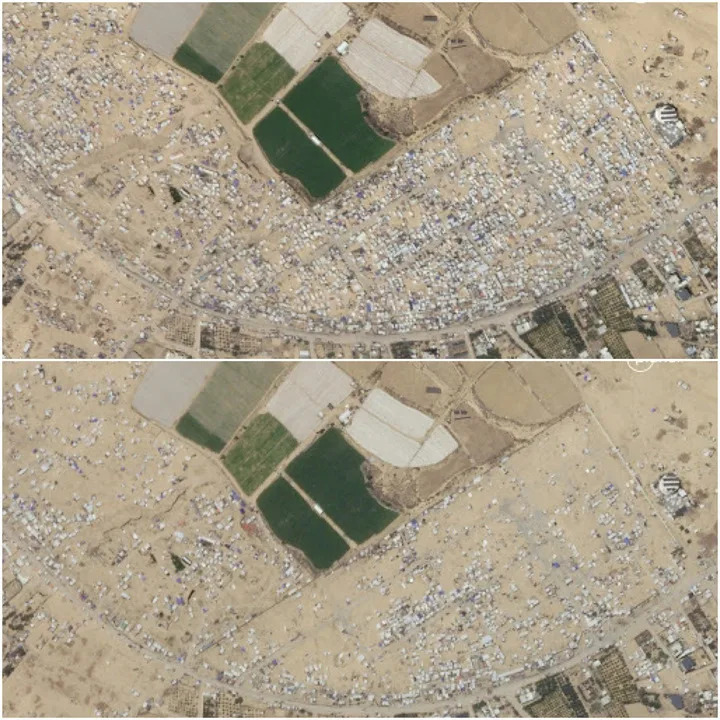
{"x": 343, "y": 47}
{"x": 669, "y": 483}
{"x": 666, "y": 113}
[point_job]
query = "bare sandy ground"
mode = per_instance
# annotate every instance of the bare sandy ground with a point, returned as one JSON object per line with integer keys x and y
{"x": 115, "y": 495}
{"x": 660, "y": 55}
{"x": 545, "y": 553}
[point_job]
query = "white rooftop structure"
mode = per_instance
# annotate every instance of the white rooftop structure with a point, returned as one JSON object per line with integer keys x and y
{"x": 666, "y": 113}
{"x": 669, "y": 483}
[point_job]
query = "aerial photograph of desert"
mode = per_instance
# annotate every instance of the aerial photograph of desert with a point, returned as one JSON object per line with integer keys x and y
{"x": 359, "y": 359}
{"x": 377, "y": 180}
{"x": 232, "y": 539}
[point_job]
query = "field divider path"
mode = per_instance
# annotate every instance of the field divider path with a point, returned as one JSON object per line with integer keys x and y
{"x": 444, "y": 416}
{"x": 324, "y": 515}
{"x": 258, "y": 409}
{"x": 301, "y": 447}
{"x": 349, "y": 173}
{"x": 279, "y": 471}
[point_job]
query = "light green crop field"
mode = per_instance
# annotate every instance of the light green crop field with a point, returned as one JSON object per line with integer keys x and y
{"x": 256, "y": 79}
{"x": 264, "y": 444}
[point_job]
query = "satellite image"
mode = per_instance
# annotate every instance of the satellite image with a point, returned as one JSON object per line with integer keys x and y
{"x": 359, "y": 360}
{"x": 240, "y": 539}
{"x": 360, "y": 180}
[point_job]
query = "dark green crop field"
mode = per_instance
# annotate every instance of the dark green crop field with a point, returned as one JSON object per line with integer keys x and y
{"x": 296, "y": 523}
{"x": 326, "y": 101}
{"x": 192, "y": 429}
{"x": 264, "y": 444}
{"x": 258, "y": 76}
{"x": 191, "y": 60}
{"x": 291, "y": 151}
{"x": 329, "y": 471}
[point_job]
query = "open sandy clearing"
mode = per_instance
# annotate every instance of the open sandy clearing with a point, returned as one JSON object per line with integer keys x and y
{"x": 502, "y": 392}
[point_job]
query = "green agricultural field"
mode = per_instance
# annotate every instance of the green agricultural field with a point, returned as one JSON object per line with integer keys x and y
{"x": 264, "y": 444}
{"x": 229, "y": 396}
{"x": 256, "y": 79}
{"x": 186, "y": 57}
{"x": 296, "y": 523}
{"x": 190, "y": 428}
{"x": 327, "y": 102}
{"x": 291, "y": 151}
{"x": 329, "y": 471}
{"x": 218, "y": 36}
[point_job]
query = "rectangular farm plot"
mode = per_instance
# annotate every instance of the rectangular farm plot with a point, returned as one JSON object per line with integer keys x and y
{"x": 299, "y": 26}
{"x": 390, "y": 62}
{"x": 191, "y": 60}
{"x": 330, "y": 472}
{"x": 292, "y": 152}
{"x": 264, "y": 444}
{"x": 398, "y": 434}
{"x": 327, "y": 102}
{"x": 169, "y": 387}
{"x": 219, "y": 35}
{"x": 392, "y": 412}
{"x": 227, "y": 399}
{"x": 306, "y": 394}
{"x": 192, "y": 429}
{"x": 161, "y": 27}
{"x": 297, "y": 524}
{"x": 258, "y": 76}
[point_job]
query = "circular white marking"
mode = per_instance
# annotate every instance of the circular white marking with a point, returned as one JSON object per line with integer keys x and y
{"x": 640, "y": 366}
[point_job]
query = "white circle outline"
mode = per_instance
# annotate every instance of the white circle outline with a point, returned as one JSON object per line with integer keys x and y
{"x": 633, "y": 363}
